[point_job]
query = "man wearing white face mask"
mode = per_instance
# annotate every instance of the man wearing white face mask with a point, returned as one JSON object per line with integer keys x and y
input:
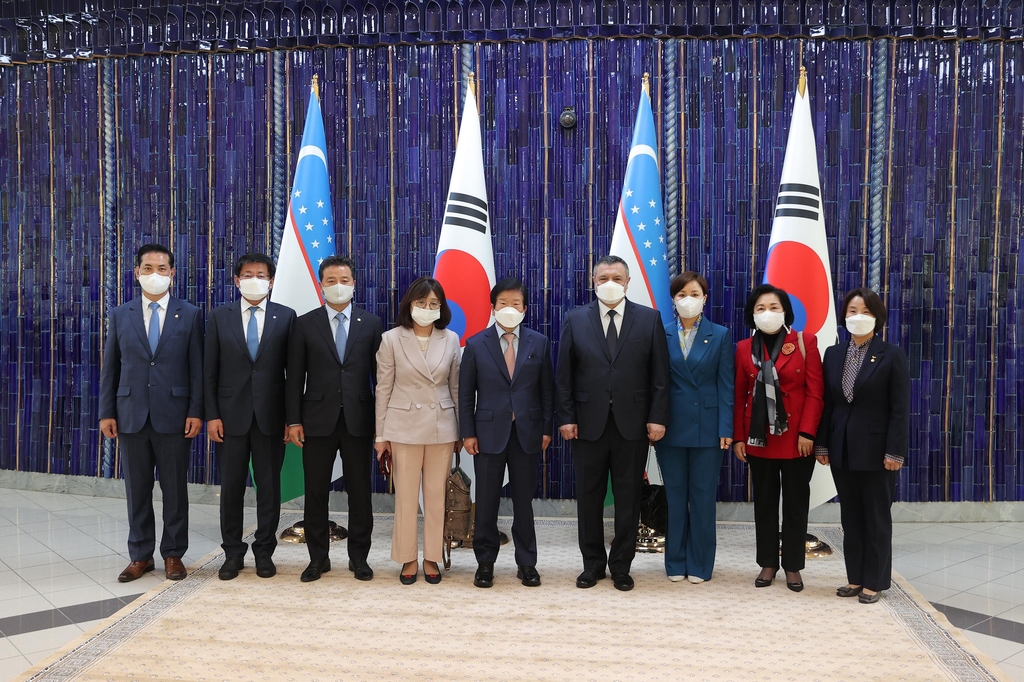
{"x": 244, "y": 375}
{"x": 506, "y": 412}
{"x": 613, "y": 401}
{"x": 151, "y": 400}
{"x": 329, "y": 406}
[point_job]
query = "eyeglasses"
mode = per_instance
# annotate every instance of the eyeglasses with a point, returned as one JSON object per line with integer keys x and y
{"x": 259, "y": 276}
{"x": 433, "y": 305}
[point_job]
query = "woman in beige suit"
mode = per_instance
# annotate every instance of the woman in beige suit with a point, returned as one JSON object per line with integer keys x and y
{"x": 417, "y": 395}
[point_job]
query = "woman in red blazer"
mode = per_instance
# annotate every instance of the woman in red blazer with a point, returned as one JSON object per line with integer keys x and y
{"x": 779, "y": 399}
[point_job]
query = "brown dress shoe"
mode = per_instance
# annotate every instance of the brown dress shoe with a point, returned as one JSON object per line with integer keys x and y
{"x": 173, "y": 568}
{"x": 135, "y": 570}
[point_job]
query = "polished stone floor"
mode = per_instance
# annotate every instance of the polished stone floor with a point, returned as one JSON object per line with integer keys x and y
{"x": 60, "y": 556}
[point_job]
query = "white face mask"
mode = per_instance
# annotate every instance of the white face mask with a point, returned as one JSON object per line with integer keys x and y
{"x": 154, "y": 283}
{"x": 424, "y": 317}
{"x": 339, "y": 293}
{"x": 610, "y": 293}
{"x": 769, "y": 321}
{"x": 689, "y": 307}
{"x": 860, "y": 325}
{"x": 508, "y": 317}
{"x": 254, "y": 289}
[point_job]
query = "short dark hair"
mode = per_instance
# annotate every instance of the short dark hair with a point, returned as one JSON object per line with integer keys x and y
{"x": 758, "y": 292}
{"x": 153, "y": 248}
{"x": 873, "y": 303}
{"x": 337, "y": 261}
{"x": 610, "y": 260}
{"x": 255, "y": 259}
{"x": 684, "y": 278}
{"x": 422, "y": 288}
{"x": 509, "y": 284}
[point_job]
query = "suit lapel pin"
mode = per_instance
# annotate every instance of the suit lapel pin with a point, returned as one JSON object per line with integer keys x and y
{"x": 175, "y": 317}
{"x": 788, "y": 349}
{"x": 872, "y": 358}
{"x": 359, "y": 319}
{"x": 705, "y": 340}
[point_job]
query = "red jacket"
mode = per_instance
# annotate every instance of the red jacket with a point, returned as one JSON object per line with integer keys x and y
{"x": 803, "y": 390}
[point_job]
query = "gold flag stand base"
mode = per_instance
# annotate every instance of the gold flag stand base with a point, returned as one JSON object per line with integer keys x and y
{"x": 815, "y": 548}
{"x": 297, "y": 532}
{"x": 649, "y": 541}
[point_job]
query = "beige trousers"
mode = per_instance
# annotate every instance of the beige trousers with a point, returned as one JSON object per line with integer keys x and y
{"x": 433, "y": 463}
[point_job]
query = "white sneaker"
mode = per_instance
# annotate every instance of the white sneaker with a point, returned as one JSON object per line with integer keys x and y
{"x": 695, "y": 580}
{"x": 677, "y": 578}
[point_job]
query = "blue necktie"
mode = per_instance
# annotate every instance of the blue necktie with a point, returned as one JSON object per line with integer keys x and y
{"x": 340, "y": 336}
{"x": 154, "y": 327}
{"x": 252, "y": 332}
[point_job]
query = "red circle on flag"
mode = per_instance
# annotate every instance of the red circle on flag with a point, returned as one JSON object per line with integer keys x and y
{"x": 797, "y": 269}
{"x": 467, "y": 289}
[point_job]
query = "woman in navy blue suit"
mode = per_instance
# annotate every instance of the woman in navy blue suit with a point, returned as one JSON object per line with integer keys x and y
{"x": 699, "y": 431}
{"x": 863, "y": 438}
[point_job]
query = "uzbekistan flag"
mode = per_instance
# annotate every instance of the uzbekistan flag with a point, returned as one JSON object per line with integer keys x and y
{"x": 797, "y": 258}
{"x": 465, "y": 256}
{"x": 639, "y": 235}
{"x": 308, "y": 239}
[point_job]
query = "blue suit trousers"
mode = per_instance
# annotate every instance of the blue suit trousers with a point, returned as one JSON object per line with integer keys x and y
{"x": 691, "y": 487}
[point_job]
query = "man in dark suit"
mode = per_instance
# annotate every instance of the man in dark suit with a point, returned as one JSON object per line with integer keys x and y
{"x": 332, "y": 368}
{"x": 506, "y": 408}
{"x": 613, "y": 401}
{"x": 244, "y": 373}
{"x": 151, "y": 400}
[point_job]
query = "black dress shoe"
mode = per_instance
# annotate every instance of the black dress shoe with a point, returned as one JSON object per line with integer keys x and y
{"x": 795, "y": 585}
{"x": 265, "y": 567}
{"x": 869, "y": 598}
{"x": 764, "y": 582}
{"x": 361, "y": 569}
{"x": 622, "y": 582}
{"x": 847, "y": 591}
{"x": 528, "y": 575}
{"x": 589, "y": 578}
{"x": 432, "y": 578}
{"x": 232, "y": 565}
{"x": 314, "y": 570}
{"x": 484, "y": 575}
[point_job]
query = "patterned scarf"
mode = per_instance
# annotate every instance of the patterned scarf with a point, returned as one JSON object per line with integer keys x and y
{"x": 767, "y": 414}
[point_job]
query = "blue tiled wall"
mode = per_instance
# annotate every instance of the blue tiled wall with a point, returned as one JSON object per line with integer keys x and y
{"x": 193, "y": 166}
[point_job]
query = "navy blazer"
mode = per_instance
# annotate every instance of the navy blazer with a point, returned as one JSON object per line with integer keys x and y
{"x": 877, "y": 422}
{"x": 488, "y": 396}
{"x": 167, "y": 386}
{"x": 589, "y": 379}
{"x": 700, "y": 388}
{"x": 239, "y": 388}
{"x": 319, "y": 382}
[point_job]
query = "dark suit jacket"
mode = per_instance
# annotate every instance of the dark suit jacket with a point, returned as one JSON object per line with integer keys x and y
{"x": 700, "y": 387}
{"x": 635, "y": 378}
{"x": 166, "y": 386}
{"x": 488, "y": 396}
{"x": 801, "y": 386}
{"x": 320, "y": 383}
{"x": 238, "y": 388}
{"x": 877, "y": 422}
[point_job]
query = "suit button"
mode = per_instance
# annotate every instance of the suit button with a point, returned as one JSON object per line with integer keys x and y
{"x": 254, "y": 371}
{"x": 433, "y": 405}
{"x": 798, "y": 371}
{"x": 751, "y": 376}
{"x": 433, "y": 386}
{"x": 418, "y": 386}
{"x": 695, "y": 404}
{"x": 151, "y": 364}
{"x": 418, "y": 406}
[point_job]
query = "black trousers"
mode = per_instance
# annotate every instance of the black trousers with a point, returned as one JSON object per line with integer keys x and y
{"x": 522, "y": 479}
{"x": 233, "y": 455}
{"x": 865, "y": 508}
{"x": 143, "y": 453}
{"x": 317, "y": 462}
{"x": 593, "y": 461}
{"x": 791, "y": 477}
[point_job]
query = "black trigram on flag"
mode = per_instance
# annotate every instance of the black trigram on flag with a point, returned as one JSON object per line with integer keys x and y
{"x": 798, "y": 201}
{"x": 466, "y": 210}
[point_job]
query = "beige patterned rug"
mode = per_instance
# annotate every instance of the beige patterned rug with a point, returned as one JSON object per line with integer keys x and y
{"x": 341, "y": 629}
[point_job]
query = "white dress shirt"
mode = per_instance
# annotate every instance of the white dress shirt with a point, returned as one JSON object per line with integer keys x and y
{"x": 147, "y": 314}
{"x": 344, "y": 316}
{"x": 261, "y": 317}
{"x": 504, "y": 343}
{"x": 619, "y": 309}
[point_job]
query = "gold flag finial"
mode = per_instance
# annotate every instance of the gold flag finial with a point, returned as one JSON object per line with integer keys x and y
{"x": 647, "y": 83}
{"x": 801, "y": 85}
{"x": 316, "y": 86}
{"x": 471, "y": 81}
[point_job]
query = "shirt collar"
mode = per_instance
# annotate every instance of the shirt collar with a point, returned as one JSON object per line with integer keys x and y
{"x": 262, "y": 305}
{"x": 619, "y": 308}
{"x": 334, "y": 313}
{"x": 163, "y": 302}
{"x": 502, "y": 332}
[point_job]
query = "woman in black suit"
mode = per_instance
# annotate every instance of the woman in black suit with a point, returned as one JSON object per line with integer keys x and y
{"x": 863, "y": 437}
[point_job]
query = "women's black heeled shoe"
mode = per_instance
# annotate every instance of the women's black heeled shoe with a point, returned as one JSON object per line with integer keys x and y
{"x": 764, "y": 582}
{"x": 796, "y": 585}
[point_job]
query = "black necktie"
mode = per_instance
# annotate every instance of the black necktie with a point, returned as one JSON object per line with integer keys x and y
{"x": 613, "y": 333}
